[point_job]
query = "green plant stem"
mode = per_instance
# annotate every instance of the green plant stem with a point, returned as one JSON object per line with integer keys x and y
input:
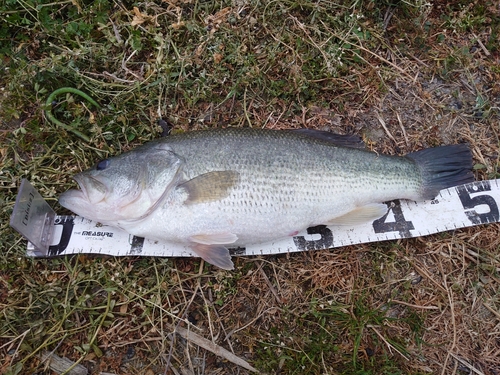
{"x": 51, "y": 117}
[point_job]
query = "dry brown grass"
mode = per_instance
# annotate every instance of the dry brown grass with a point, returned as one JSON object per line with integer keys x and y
{"x": 427, "y": 305}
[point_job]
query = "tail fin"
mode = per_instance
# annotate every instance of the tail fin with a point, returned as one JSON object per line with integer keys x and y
{"x": 443, "y": 167}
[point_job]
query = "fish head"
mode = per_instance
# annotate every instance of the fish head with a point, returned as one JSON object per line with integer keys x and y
{"x": 126, "y": 187}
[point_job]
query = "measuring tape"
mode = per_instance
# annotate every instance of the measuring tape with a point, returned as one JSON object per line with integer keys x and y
{"x": 458, "y": 207}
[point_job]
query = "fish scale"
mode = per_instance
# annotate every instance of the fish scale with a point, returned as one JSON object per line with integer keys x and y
{"x": 211, "y": 189}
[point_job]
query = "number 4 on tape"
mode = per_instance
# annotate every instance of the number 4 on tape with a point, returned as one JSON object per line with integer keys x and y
{"x": 400, "y": 224}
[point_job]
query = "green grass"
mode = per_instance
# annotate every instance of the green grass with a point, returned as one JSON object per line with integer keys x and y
{"x": 391, "y": 308}
{"x": 329, "y": 336}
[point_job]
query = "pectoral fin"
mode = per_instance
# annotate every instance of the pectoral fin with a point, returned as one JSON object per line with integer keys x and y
{"x": 361, "y": 215}
{"x": 211, "y": 186}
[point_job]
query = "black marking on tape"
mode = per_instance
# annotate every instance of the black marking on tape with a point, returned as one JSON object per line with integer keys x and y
{"x": 136, "y": 245}
{"x": 238, "y": 251}
{"x": 67, "y": 222}
{"x": 325, "y": 242}
{"x": 400, "y": 224}
{"x": 470, "y": 202}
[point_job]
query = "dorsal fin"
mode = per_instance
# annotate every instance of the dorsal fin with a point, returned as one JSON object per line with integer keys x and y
{"x": 352, "y": 141}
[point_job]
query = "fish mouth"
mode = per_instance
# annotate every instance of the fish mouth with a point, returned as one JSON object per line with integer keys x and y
{"x": 90, "y": 189}
{"x": 86, "y": 200}
{"x": 81, "y": 186}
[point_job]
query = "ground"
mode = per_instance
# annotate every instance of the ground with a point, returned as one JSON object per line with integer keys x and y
{"x": 404, "y": 75}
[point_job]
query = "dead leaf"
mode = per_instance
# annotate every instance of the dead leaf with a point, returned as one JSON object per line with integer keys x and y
{"x": 140, "y": 18}
{"x": 77, "y": 5}
{"x": 124, "y": 308}
{"x": 215, "y": 20}
{"x": 218, "y": 57}
{"x": 199, "y": 50}
{"x": 178, "y": 25}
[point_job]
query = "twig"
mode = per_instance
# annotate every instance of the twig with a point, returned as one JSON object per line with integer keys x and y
{"x": 21, "y": 337}
{"x": 402, "y": 128}
{"x": 245, "y": 110}
{"x": 118, "y": 79}
{"x": 382, "y": 122}
{"x": 417, "y": 59}
{"x": 467, "y": 364}
{"x": 62, "y": 365}
{"x": 360, "y": 46}
{"x": 387, "y": 17}
{"x": 46, "y": 355}
{"x": 453, "y": 321}
{"x": 183, "y": 317}
{"x": 389, "y": 345}
{"x": 485, "y": 50}
{"x": 423, "y": 271}
{"x": 414, "y": 306}
{"x": 213, "y": 347}
{"x": 492, "y": 310}
{"x": 249, "y": 323}
{"x": 127, "y": 70}
{"x": 269, "y": 284}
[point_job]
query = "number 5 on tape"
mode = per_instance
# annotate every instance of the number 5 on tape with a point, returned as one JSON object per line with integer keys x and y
{"x": 475, "y": 200}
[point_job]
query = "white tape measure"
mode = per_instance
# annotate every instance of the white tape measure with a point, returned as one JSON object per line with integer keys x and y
{"x": 458, "y": 207}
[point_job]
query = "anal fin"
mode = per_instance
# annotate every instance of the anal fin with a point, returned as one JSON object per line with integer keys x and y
{"x": 360, "y": 215}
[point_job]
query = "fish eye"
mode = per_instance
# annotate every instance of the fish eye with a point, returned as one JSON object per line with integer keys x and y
{"x": 103, "y": 164}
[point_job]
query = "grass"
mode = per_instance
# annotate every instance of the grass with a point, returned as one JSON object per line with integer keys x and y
{"x": 428, "y": 71}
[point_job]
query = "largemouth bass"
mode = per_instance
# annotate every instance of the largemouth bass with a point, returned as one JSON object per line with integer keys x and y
{"x": 215, "y": 189}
